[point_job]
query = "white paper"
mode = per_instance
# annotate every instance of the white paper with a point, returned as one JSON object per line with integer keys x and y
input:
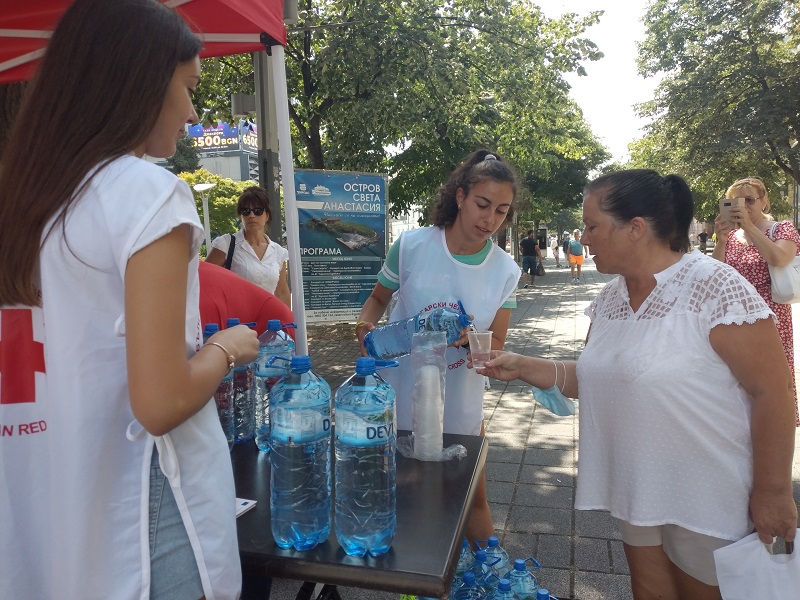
{"x": 242, "y": 505}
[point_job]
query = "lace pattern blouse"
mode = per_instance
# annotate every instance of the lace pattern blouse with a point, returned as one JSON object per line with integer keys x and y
{"x": 664, "y": 424}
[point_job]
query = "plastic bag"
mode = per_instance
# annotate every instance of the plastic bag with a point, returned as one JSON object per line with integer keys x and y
{"x": 746, "y": 569}
{"x": 427, "y": 422}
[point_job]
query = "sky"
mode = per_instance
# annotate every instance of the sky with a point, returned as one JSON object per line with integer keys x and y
{"x": 613, "y": 85}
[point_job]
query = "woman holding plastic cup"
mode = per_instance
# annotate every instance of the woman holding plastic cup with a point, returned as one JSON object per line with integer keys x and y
{"x": 437, "y": 266}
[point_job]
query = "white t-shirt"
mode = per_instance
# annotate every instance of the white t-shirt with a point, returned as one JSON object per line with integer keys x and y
{"x": 664, "y": 424}
{"x": 429, "y": 278}
{"x": 75, "y": 487}
{"x": 264, "y": 272}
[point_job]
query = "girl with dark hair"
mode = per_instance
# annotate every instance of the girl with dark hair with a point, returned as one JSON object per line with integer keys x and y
{"x": 255, "y": 257}
{"x": 117, "y": 479}
{"x": 438, "y": 266}
{"x": 686, "y": 433}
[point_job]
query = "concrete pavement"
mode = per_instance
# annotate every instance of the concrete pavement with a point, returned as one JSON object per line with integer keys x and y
{"x": 533, "y": 455}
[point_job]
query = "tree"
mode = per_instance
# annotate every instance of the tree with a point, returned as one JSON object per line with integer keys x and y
{"x": 185, "y": 157}
{"x": 222, "y": 199}
{"x": 434, "y": 79}
{"x": 732, "y": 73}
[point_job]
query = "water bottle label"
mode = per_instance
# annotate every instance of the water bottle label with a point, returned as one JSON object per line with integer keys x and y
{"x": 300, "y": 425}
{"x": 373, "y": 430}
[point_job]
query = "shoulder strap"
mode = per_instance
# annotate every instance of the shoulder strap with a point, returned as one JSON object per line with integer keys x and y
{"x": 231, "y": 248}
{"x": 772, "y": 231}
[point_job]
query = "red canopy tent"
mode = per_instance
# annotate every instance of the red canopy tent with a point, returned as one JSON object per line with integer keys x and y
{"x": 225, "y": 27}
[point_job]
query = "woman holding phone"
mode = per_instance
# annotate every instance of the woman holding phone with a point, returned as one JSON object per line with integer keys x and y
{"x": 749, "y": 240}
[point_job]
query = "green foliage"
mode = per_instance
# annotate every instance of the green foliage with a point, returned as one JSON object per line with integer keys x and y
{"x": 409, "y": 88}
{"x": 728, "y": 106}
{"x": 222, "y": 199}
{"x": 185, "y": 157}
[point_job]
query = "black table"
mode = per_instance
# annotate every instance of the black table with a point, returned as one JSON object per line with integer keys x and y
{"x": 433, "y": 503}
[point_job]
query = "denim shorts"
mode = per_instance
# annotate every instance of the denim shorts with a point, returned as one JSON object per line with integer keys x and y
{"x": 529, "y": 264}
{"x": 173, "y": 569}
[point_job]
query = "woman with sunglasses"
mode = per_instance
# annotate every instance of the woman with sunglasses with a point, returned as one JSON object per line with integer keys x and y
{"x": 754, "y": 241}
{"x": 255, "y": 257}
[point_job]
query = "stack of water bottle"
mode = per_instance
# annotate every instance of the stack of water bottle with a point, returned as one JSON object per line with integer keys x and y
{"x": 242, "y": 397}
{"x": 488, "y": 575}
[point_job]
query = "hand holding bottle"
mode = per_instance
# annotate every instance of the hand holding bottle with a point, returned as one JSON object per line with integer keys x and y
{"x": 240, "y": 341}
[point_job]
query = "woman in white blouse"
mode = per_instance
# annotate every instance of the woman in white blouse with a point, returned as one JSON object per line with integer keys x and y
{"x": 686, "y": 406}
{"x": 255, "y": 257}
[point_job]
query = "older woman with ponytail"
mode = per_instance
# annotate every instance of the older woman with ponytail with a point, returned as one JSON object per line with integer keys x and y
{"x": 686, "y": 429}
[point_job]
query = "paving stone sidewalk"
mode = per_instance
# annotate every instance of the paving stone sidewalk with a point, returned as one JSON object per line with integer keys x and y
{"x": 533, "y": 455}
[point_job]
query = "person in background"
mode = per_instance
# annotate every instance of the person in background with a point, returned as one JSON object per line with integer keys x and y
{"x": 702, "y": 238}
{"x": 687, "y": 464}
{"x": 555, "y": 246}
{"x": 255, "y": 257}
{"x": 223, "y": 294}
{"x": 452, "y": 260}
{"x": 752, "y": 243}
{"x": 529, "y": 248}
{"x": 124, "y": 488}
{"x": 575, "y": 256}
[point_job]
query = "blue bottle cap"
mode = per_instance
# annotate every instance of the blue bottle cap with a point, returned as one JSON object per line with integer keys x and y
{"x": 519, "y": 564}
{"x": 274, "y": 325}
{"x": 480, "y": 556}
{"x": 210, "y": 327}
{"x": 542, "y": 594}
{"x": 492, "y": 542}
{"x": 231, "y": 322}
{"x": 469, "y": 578}
{"x": 301, "y": 363}
{"x": 504, "y": 585}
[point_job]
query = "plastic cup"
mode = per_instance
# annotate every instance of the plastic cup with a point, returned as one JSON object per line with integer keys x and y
{"x": 480, "y": 347}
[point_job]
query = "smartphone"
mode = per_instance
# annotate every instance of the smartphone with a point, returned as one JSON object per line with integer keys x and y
{"x": 725, "y": 205}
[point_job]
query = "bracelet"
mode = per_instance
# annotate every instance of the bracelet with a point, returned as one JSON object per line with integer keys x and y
{"x": 359, "y": 324}
{"x": 228, "y": 355}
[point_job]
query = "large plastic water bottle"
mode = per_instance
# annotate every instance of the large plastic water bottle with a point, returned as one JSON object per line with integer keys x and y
{"x": 394, "y": 339}
{"x": 273, "y": 342}
{"x": 481, "y": 566}
{"x": 300, "y": 479}
{"x": 243, "y": 405}
{"x": 494, "y": 550}
{"x": 469, "y": 589}
{"x": 223, "y": 397}
{"x": 465, "y": 559}
{"x": 365, "y": 515}
{"x": 504, "y": 591}
{"x": 523, "y": 582}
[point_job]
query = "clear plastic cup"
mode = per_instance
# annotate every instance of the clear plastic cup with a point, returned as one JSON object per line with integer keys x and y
{"x": 480, "y": 347}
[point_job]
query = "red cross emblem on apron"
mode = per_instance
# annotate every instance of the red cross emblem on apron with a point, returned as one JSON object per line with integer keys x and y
{"x": 21, "y": 357}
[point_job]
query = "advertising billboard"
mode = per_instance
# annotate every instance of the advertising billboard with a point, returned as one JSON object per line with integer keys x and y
{"x": 342, "y": 219}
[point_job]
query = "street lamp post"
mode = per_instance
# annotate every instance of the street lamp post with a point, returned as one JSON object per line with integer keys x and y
{"x": 202, "y": 189}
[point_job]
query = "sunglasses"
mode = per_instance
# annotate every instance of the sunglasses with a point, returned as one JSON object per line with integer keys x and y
{"x": 749, "y": 199}
{"x": 245, "y": 212}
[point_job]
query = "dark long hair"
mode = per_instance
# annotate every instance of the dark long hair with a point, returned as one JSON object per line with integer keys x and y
{"x": 473, "y": 169}
{"x": 96, "y": 97}
{"x": 665, "y": 202}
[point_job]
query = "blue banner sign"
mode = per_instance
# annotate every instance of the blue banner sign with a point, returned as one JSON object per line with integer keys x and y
{"x": 220, "y": 138}
{"x": 342, "y": 218}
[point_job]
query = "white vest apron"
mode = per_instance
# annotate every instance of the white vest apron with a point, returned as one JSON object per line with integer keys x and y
{"x": 431, "y": 278}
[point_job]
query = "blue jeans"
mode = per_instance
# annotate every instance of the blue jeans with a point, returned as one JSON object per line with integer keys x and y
{"x": 529, "y": 265}
{"x": 173, "y": 569}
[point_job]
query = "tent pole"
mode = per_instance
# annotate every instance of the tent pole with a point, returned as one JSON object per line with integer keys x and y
{"x": 289, "y": 199}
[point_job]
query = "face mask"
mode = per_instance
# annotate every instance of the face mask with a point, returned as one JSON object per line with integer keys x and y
{"x": 554, "y": 401}
{"x": 552, "y": 398}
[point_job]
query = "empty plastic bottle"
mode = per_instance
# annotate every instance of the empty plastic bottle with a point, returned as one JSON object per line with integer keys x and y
{"x": 494, "y": 550}
{"x": 223, "y": 397}
{"x": 300, "y": 479}
{"x": 365, "y": 509}
{"x": 243, "y": 405}
{"x": 273, "y": 342}
{"x": 469, "y": 589}
{"x": 504, "y": 591}
{"x": 394, "y": 339}
{"x": 523, "y": 582}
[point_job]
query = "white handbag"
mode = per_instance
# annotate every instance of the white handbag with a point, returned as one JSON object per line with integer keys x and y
{"x": 747, "y": 570}
{"x": 786, "y": 279}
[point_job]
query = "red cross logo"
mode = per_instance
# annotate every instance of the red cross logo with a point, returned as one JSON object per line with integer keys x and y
{"x": 20, "y": 356}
